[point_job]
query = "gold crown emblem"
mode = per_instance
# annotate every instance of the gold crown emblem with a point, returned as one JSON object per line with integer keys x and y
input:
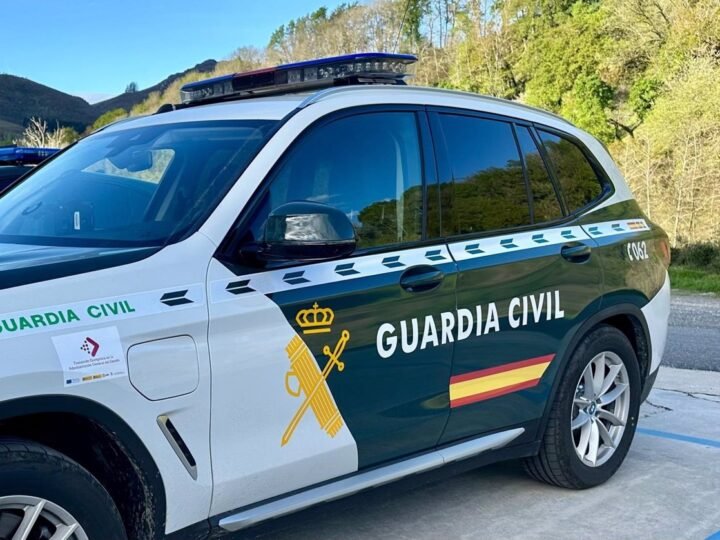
{"x": 316, "y": 320}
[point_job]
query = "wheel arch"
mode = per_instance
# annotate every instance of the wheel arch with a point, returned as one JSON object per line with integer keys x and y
{"x": 626, "y": 317}
{"x": 117, "y": 457}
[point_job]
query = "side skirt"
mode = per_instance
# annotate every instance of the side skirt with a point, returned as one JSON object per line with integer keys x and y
{"x": 364, "y": 480}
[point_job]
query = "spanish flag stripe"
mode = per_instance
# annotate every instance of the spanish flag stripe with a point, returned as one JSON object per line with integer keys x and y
{"x": 493, "y": 393}
{"x": 499, "y": 369}
{"x": 497, "y": 381}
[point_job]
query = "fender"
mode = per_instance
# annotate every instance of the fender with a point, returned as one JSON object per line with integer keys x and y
{"x": 104, "y": 417}
{"x": 627, "y": 307}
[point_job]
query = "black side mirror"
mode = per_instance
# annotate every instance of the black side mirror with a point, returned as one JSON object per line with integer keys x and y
{"x": 307, "y": 231}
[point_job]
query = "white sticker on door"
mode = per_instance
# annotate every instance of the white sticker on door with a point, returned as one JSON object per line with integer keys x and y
{"x": 92, "y": 355}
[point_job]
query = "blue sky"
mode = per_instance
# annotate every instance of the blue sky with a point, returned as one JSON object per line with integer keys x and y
{"x": 94, "y": 48}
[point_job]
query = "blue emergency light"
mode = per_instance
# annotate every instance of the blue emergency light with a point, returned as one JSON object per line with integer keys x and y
{"x": 374, "y": 67}
{"x": 17, "y": 155}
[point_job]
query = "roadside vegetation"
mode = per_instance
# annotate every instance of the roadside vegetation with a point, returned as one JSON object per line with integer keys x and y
{"x": 696, "y": 268}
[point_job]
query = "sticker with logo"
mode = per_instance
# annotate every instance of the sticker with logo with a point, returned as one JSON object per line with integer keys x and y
{"x": 310, "y": 382}
{"x": 91, "y": 355}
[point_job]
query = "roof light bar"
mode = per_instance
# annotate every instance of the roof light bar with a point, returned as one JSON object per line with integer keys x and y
{"x": 25, "y": 156}
{"x": 319, "y": 73}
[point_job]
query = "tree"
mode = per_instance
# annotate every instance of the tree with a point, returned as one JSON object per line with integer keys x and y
{"x": 131, "y": 88}
{"x": 108, "y": 118}
{"x": 37, "y": 135}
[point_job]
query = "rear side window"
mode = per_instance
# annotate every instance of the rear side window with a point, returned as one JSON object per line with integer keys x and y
{"x": 489, "y": 186}
{"x": 578, "y": 181}
{"x": 546, "y": 206}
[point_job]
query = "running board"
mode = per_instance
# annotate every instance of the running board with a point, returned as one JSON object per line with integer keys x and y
{"x": 373, "y": 478}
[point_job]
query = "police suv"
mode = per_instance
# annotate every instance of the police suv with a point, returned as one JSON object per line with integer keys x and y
{"x": 307, "y": 281}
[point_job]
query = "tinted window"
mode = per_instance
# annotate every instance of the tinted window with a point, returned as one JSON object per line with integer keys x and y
{"x": 489, "y": 186}
{"x": 367, "y": 165}
{"x": 545, "y": 202}
{"x": 578, "y": 181}
{"x": 137, "y": 186}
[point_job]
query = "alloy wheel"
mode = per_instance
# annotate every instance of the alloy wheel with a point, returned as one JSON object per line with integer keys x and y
{"x": 33, "y": 518}
{"x": 600, "y": 409}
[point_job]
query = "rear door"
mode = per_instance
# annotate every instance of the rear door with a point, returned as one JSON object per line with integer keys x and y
{"x": 526, "y": 271}
{"x": 312, "y": 378}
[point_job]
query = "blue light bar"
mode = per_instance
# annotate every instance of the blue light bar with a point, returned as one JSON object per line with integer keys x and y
{"x": 25, "y": 156}
{"x": 319, "y": 73}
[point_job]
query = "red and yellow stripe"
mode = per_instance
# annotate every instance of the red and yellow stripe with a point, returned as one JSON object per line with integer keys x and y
{"x": 636, "y": 225}
{"x": 497, "y": 381}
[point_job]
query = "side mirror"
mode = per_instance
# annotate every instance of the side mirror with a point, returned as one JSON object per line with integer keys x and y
{"x": 307, "y": 231}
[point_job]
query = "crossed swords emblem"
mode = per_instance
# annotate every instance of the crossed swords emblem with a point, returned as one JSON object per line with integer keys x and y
{"x": 313, "y": 384}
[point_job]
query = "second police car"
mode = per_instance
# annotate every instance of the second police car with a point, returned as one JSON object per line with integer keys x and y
{"x": 310, "y": 280}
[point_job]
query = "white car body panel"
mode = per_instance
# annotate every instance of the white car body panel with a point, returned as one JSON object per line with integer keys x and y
{"x": 657, "y": 315}
{"x": 35, "y": 368}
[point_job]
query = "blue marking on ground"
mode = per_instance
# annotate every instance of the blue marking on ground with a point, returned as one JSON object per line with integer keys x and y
{"x": 714, "y": 536}
{"x": 680, "y": 437}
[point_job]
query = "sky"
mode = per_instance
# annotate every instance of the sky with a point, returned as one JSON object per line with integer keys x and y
{"x": 94, "y": 48}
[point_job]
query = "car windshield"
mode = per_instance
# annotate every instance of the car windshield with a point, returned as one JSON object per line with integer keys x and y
{"x": 140, "y": 187}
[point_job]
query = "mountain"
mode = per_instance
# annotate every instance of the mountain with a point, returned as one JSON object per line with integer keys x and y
{"x": 22, "y": 99}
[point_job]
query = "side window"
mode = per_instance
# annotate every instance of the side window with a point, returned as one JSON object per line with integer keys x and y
{"x": 578, "y": 181}
{"x": 546, "y": 206}
{"x": 489, "y": 185}
{"x": 368, "y": 165}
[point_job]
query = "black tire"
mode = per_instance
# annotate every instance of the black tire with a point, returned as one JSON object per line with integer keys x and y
{"x": 31, "y": 469}
{"x": 558, "y": 463}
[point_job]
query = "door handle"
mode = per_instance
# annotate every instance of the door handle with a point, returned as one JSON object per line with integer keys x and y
{"x": 421, "y": 278}
{"x": 576, "y": 252}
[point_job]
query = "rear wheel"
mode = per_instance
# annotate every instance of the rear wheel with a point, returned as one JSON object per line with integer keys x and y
{"x": 45, "y": 495}
{"x": 593, "y": 418}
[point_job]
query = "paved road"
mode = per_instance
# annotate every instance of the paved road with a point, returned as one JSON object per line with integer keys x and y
{"x": 694, "y": 336}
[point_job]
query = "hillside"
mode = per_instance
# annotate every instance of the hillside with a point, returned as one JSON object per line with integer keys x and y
{"x": 22, "y": 99}
{"x": 128, "y": 101}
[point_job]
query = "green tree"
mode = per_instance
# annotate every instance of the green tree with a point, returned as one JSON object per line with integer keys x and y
{"x": 108, "y": 117}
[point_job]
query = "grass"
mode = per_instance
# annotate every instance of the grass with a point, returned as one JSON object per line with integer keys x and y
{"x": 693, "y": 279}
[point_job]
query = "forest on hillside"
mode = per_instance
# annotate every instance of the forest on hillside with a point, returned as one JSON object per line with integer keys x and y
{"x": 641, "y": 75}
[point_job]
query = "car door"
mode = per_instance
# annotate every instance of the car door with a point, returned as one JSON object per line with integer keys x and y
{"x": 311, "y": 379}
{"x": 526, "y": 271}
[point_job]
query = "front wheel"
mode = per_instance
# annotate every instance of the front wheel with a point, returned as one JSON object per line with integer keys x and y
{"x": 44, "y": 495}
{"x": 593, "y": 418}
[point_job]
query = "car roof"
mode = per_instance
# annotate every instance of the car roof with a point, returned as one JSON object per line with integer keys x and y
{"x": 278, "y": 106}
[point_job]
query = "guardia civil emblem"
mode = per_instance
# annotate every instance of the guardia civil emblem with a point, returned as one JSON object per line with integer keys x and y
{"x": 310, "y": 382}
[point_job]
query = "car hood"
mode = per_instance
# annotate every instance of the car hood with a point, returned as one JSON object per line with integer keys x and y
{"x": 21, "y": 264}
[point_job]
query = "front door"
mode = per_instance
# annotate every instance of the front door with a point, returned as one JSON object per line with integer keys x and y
{"x": 307, "y": 385}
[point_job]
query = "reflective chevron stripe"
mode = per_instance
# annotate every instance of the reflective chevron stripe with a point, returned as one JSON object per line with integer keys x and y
{"x": 329, "y": 272}
{"x": 497, "y": 245}
{"x": 372, "y": 265}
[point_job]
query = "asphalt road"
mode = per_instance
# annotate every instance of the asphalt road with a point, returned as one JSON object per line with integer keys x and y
{"x": 694, "y": 335}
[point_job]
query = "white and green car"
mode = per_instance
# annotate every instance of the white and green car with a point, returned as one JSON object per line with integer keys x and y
{"x": 306, "y": 281}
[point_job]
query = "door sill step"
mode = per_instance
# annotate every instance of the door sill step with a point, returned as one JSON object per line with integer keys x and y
{"x": 364, "y": 480}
